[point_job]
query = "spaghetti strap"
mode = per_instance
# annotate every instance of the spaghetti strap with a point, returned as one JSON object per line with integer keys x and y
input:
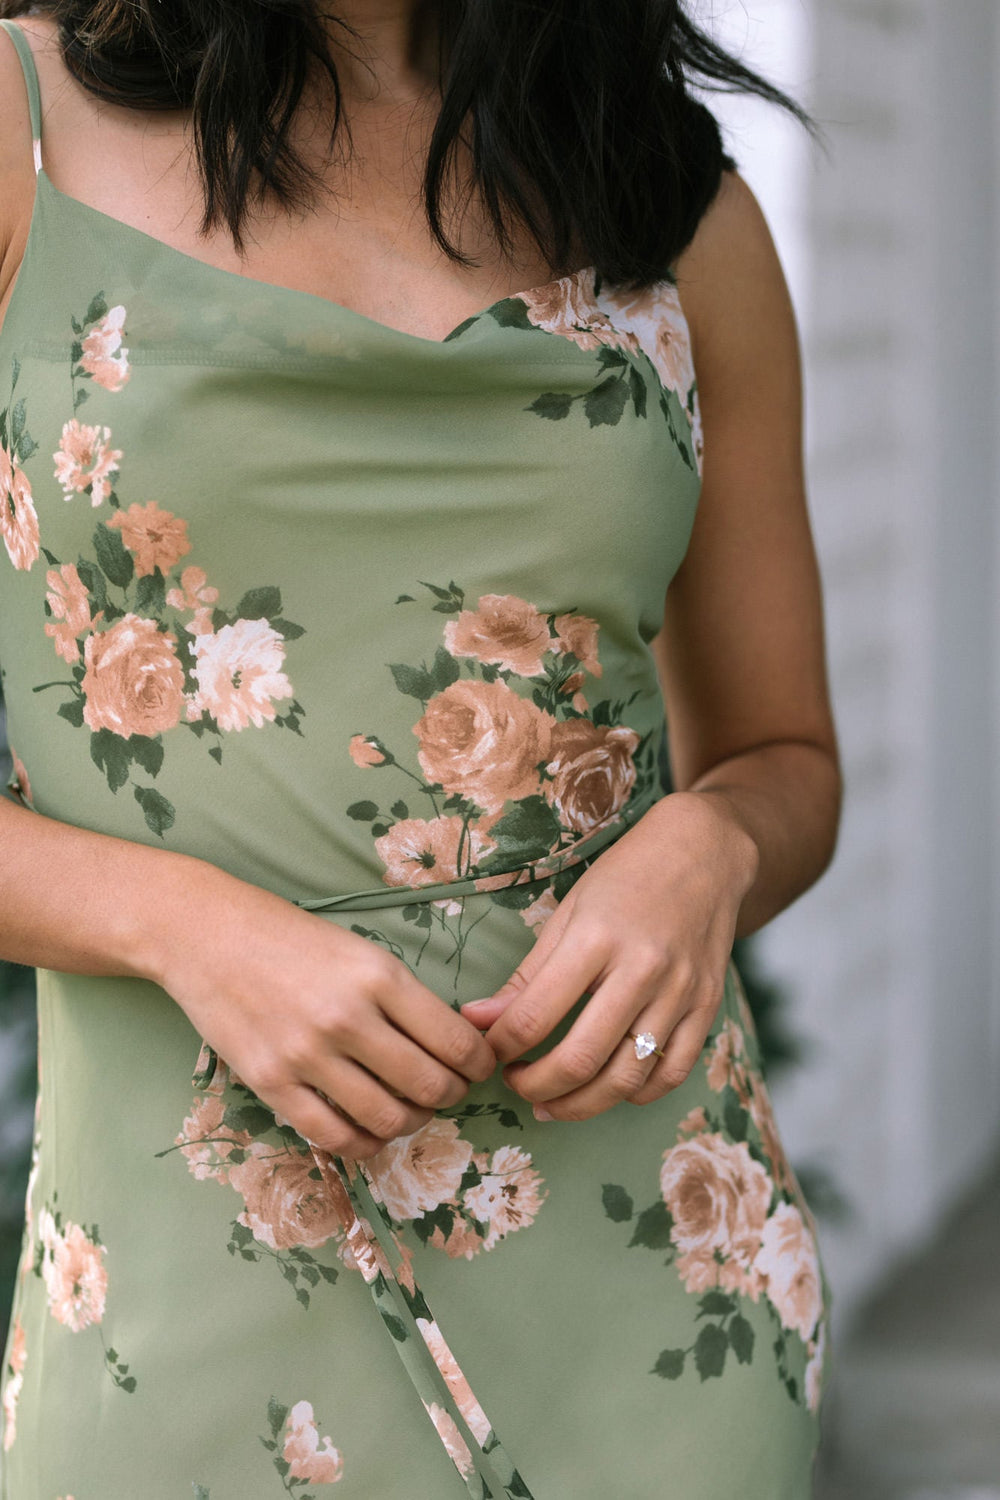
{"x": 24, "y": 53}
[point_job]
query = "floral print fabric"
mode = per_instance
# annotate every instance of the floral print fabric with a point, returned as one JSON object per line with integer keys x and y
{"x": 365, "y": 620}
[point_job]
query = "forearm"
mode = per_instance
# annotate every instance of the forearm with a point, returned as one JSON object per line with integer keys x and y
{"x": 779, "y": 807}
{"x": 86, "y": 903}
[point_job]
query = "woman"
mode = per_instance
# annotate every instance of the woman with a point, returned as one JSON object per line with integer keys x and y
{"x": 336, "y": 579}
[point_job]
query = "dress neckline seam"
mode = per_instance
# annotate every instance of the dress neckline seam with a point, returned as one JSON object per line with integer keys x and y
{"x": 259, "y": 285}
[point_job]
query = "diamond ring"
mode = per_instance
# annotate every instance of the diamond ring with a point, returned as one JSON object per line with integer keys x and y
{"x": 645, "y": 1044}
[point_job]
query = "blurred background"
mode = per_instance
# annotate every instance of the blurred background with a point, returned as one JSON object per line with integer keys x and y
{"x": 879, "y": 992}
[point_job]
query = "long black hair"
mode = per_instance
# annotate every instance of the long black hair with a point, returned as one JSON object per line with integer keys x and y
{"x": 579, "y": 113}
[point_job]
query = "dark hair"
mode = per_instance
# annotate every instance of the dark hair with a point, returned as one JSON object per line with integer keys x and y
{"x": 582, "y": 124}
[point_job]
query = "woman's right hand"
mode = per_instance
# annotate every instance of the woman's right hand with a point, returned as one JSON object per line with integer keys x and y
{"x": 301, "y": 1009}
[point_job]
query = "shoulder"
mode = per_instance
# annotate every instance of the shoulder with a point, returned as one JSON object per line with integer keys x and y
{"x": 17, "y": 169}
{"x": 733, "y": 289}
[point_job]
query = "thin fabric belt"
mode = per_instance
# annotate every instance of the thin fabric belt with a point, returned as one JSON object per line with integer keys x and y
{"x": 582, "y": 852}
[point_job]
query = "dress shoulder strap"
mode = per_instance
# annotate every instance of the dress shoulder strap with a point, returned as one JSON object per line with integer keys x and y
{"x": 27, "y": 61}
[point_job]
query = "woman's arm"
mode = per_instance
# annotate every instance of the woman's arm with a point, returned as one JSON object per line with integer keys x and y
{"x": 291, "y": 1001}
{"x": 647, "y": 930}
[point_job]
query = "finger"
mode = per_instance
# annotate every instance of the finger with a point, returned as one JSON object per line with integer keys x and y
{"x": 682, "y": 1051}
{"x": 436, "y": 1028}
{"x": 484, "y": 1013}
{"x": 320, "y": 1124}
{"x": 571, "y": 970}
{"x": 408, "y": 1069}
{"x": 366, "y": 1101}
{"x": 592, "y": 1040}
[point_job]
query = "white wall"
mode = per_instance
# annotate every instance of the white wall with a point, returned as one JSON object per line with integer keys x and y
{"x": 892, "y": 245}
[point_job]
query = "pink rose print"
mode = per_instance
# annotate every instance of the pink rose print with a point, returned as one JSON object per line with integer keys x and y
{"x": 578, "y": 635}
{"x": 310, "y": 1457}
{"x": 568, "y": 307}
{"x": 74, "y": 1275}
{"x": 103, "y": 357}
{"x": 365, "y": 753}
{"x": 155, "y": 538}
{"x": 654, "y": 318}
{"x": 415, "y": 1173}
{"x": 593, "y": 772}
{"x": 13, "y": 1384}
{"x": 473, "y": 1415}
{"x": 540, "y": 910}
{"x": 509, "y": 1195}
{"x": 134, "y": 683}
{"x": 21, "y": 787}
{"x": 69, "y": 607}
{"x": 287, "y": 1204}
{"x": 239, "y": 675}
{"x": 505, "y": 632}
{"x": 718, "y": 1197}
{"x": 84, "y": 461}
{"x": 416, "y": 852}
{"x": 482, "y": 741}
{"x": 206, "y": 1142}
{"x": 454, "y": 1442}
{"x": 788, "y": 1259}
{"x": 18, "y": 518}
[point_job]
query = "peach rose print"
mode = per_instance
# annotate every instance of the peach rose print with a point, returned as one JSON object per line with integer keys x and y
{"x": 788, "y": 1259}
{"x": 505, "y": 632}
{"x": 655, "y": 319}
{"x": 239, "y": 675}
{"x": 197, "y": 595}
{"x": 84, "y": 460}
{"x": 718, "y": 1197}
{"x": 21, "y": 787}
{"x": 416, "y": 1173}
{"x": 454, "y": 1442}
{"x": 816, "y": 1349}
{"x": 364, "y": 752}
{"x": 69, "y": 608}
{"x": 12, "y": 1387}
{"x": 18, "y": 517}
{"x": 578, "y": 635}
{"x": 509, "y": 1195}
{"x": 134, "y": 683}
{"x": 473, "y": 1415}
{"x": 481, "y": 741}
{"x": 310, "y": 1457}
{"x": 416, "y": 852}
{"x": 206, "y": 1142}
{"x": 155, "y": 538}
{"x": 103, "y": 357}
{"x": 75, "y": 1277}
{"x": 287, "y": 1205}
{"x": 592, "y": 770}
{"x": 568, "y": 307}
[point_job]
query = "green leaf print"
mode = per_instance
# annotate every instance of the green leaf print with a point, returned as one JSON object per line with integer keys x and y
{"x": 18, "y": 417}
{"x": 259, "y": 604}
{"x": 653, "y": 1228}
{"x": 734, "y": 1115}
{"x": 553, "y": 405}
{"x": 276, "y": 1416}
{"x": 617, "y": 1204}
{"x": 112, "y": 556}
{"x": 200, "y": 1492}
{"x": 525, "y": 834}
{"x": 363, "y": 812}
{"x": 710, "y": 1350}
{"x": 715, "y": 1304}
{"x": 72, "y": 712}
{"x": 98, "y": 309}
{"x": 670, "y": 1364}
{"x": 741, "y": 1338}
{"x": 511, "y": 313}
{"x": 286, "y": 629}
{"x": 146, "y": 752}
{"x": 605, "y": 404}
{"x": 112, "y": 755}
{"x": 158, "y": 812}
{"x": 395, "y": 1325}
{"x": 151, "y": 594}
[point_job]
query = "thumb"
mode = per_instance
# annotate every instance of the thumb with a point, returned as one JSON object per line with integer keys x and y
{"x": 483, "y": 1013}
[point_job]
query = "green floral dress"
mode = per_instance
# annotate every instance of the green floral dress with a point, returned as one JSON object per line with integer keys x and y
{"x": 364, "y": 618}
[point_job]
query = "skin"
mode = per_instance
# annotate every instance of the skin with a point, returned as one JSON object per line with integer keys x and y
{"x": 356, "y": 1060}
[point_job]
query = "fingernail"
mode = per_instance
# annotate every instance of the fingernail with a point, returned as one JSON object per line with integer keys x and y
{"x": 468, "y": 1003}
{"x": 540, "y": 1113}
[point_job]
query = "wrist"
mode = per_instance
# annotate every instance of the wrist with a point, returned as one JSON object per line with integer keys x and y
{"x": 721, "y": 831}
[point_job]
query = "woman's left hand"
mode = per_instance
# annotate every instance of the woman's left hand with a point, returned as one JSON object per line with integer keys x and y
{"x": 647, "y": 931}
